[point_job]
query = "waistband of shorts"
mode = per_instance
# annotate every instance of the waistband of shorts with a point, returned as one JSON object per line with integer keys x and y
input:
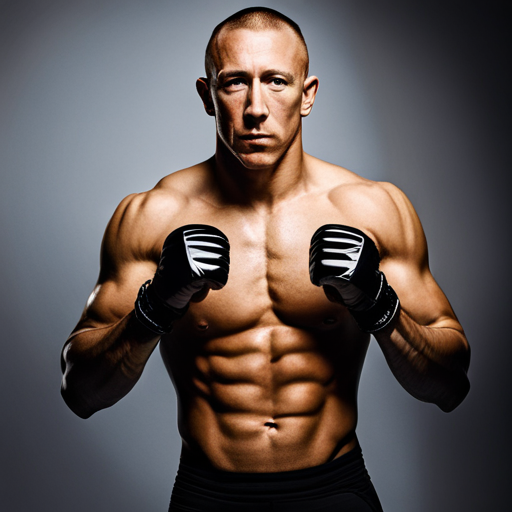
{"x": 347, "y": 471}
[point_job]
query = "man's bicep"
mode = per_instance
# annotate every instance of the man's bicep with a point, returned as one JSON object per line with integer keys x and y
{"x": 420, "y": 295}
{"x": 114, "y": 297}
{"x": 125, "y": 264}
{"x": 407, "y": 270}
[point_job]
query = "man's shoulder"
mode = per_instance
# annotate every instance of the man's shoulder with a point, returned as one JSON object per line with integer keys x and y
{"x": 342, "y": 185}
{"x": 374, "y": 195}
{"x": 168, "y": 197}
{"x": 379, "y": 208}
{"x": 185, "y": 183}
{"x": 145, "y": 217}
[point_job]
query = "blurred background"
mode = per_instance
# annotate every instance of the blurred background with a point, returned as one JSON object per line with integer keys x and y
{"x": 97, "y": 100}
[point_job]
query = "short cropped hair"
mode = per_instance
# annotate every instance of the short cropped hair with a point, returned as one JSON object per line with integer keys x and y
{"x": 252, "y": 18}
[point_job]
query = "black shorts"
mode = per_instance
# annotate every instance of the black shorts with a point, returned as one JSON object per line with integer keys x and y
{"x": 337, "y": 486}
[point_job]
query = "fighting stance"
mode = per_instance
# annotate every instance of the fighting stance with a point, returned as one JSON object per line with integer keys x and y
{"x": 262, "y": 273}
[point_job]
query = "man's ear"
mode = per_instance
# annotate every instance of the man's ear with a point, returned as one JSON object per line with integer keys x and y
{"x": 309, "y": 95}
{"x": 203, "y": 90}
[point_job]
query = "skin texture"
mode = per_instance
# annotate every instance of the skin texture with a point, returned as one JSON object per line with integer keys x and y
{"x": 266, "y": 369}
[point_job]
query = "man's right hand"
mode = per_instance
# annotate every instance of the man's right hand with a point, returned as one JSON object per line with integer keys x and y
{"x": 194, "y": 258}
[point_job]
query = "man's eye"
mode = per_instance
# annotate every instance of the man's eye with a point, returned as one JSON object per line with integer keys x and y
{"x": 235, "y": 83}
{"x": 279, "y": 82}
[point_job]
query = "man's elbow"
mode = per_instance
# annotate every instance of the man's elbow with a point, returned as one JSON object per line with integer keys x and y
{"x": 76, "y": 403}
{"x": 456, "y": 396}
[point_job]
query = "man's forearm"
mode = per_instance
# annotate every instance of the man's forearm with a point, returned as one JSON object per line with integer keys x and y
{"x": 101, "y": 365}
{"x": 429, "y": 362}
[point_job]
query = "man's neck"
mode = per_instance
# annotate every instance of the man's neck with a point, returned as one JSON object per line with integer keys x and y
{"x": 262, "y": 186}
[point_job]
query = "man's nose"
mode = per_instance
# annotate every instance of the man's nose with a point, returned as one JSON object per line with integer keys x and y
{"x": 256, "y": 107}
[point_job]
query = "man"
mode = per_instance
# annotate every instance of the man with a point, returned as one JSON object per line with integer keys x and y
{"x": 262, "y": 272}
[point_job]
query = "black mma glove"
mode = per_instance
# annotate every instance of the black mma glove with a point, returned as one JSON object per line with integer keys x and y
{"x": 344, "y": 258}
{"x": 193, "y": 257}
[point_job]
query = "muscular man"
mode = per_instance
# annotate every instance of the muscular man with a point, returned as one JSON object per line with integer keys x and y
{"x": 262, "y": 273}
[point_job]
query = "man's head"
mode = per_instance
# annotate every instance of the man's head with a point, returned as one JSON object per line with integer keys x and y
{"x": 257, "y": 86}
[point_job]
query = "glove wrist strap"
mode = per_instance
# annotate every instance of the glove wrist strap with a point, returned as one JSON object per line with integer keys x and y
{"x": 154, "y": 313}
{"x": 382, "y": 312}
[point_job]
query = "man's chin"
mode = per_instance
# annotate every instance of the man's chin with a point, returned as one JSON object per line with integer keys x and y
{"x": 257, "y": 160}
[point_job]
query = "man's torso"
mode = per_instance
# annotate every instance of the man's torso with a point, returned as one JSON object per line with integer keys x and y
{"x": 266, "y": 369}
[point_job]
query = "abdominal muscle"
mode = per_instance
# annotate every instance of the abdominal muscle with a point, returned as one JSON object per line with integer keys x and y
{"x": 268, "y": 398}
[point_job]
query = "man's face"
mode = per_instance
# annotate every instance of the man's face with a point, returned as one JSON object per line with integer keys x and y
{"x": 257, "y": 90}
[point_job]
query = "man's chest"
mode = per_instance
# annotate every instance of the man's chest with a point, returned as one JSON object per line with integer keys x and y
{"x": 269, "y": 271}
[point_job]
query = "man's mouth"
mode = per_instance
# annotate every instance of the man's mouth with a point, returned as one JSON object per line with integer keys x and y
{"x": 255, "y": 136}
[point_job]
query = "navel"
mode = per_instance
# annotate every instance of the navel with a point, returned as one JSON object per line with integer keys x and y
{"x": 330, "y": 320}
{"x": 271, "y": 424}
{"x": 203, "y": 325}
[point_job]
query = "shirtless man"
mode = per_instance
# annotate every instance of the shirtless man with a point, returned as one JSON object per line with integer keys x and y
{"x": 262, "y": 329}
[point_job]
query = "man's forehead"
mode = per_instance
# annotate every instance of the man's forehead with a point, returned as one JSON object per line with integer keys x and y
{"x": 243, "y": 47}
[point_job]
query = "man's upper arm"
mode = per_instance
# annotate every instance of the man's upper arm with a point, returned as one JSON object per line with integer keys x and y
{"x": 405, "y": 263}
{"x": 127, "y": 261}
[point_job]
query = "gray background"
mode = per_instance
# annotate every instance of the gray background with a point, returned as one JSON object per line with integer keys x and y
{"x": 97, "y": 100}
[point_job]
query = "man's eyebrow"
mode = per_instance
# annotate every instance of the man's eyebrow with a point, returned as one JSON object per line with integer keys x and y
{"x": 223, "y": 75}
